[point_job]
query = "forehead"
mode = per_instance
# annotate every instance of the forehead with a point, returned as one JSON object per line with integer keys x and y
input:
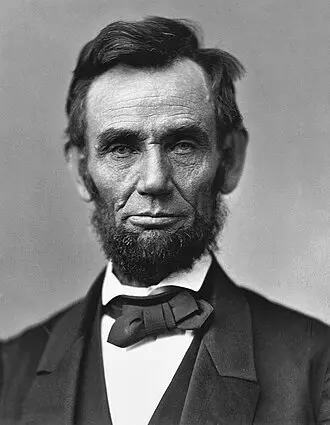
{"x": 126, "y": 97}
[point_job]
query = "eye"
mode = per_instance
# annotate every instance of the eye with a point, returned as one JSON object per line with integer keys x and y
{"x": 184, "y": 147}
{"x": 121, "y": 150}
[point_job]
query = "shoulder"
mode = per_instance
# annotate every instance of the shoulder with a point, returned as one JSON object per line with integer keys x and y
{"x": 271, "y": 310}
{"x": 293, "y": 348}
{"x": 286, "y": 324}
{"x": 27, "y": 346}
{"x": 38, "y": 330}
{"x": 19, "y": 359}
{"x": 20, "y": 356}
{"x": 266, "y": 315}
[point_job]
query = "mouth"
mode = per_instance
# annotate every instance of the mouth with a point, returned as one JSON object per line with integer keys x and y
{"x": 154, "y": 220}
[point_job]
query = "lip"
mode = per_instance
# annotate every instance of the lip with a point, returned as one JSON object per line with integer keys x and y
{"x": 153, "y": 220}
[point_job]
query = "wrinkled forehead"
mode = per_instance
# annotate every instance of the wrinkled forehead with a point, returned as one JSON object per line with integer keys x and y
{"x": 125, "y": 95}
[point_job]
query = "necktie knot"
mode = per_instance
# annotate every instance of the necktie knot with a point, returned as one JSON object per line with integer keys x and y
{"x": 137, "y": 318}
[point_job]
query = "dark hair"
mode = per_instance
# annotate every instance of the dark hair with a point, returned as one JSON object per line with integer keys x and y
{"x": 154, "y": 42}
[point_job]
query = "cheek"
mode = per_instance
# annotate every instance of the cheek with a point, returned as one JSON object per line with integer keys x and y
{"x": 197, "y": 187}
{"x": 205, "y": 200}
{"x": 107, "y": 184}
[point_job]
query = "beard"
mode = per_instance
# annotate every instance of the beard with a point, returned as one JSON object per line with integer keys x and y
{"x": 149, "y": 256}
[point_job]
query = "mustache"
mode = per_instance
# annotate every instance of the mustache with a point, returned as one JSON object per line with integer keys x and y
{"x": 149, "y": 257}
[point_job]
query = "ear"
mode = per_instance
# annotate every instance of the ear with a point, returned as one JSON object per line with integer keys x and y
{"x": 74, "y": 159}
{"x": 233, "y": 157}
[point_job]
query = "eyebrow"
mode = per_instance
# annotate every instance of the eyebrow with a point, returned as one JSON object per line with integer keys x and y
{"x": 112, "y": 135}
{"x": 184, "y": 130}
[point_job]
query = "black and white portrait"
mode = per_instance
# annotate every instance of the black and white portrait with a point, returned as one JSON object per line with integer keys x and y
{"x": 165, "y": 212}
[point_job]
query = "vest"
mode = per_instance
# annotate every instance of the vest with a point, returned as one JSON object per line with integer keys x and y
{"x": 91, "y": 402}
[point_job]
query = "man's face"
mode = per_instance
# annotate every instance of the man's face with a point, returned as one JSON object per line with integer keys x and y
{"x": 152, "y": 149}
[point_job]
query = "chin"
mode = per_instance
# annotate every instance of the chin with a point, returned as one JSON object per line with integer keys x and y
{"x": 146, "y": 255}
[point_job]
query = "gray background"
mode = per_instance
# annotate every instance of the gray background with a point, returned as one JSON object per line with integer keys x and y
{"x": 278, "y": 235}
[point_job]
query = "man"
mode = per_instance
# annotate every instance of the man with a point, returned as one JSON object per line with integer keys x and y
{"x": 155, "y": 139}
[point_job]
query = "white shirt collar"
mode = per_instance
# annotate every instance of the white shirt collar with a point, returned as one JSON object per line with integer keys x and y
{"x": 191, "y": 279}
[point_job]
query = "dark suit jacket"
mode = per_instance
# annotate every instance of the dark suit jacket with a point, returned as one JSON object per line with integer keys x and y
{"x": 258, "y": 363}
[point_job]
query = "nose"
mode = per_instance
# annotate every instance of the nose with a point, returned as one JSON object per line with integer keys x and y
{"x": 154, "y": 173}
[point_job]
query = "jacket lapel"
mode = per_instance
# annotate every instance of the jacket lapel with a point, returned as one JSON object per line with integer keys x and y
{"x": 51, "y": 399}
{"x": 223, "y": 387}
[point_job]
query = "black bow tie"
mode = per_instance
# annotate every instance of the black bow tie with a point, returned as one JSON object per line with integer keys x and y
{"x": 139, "y": 317}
